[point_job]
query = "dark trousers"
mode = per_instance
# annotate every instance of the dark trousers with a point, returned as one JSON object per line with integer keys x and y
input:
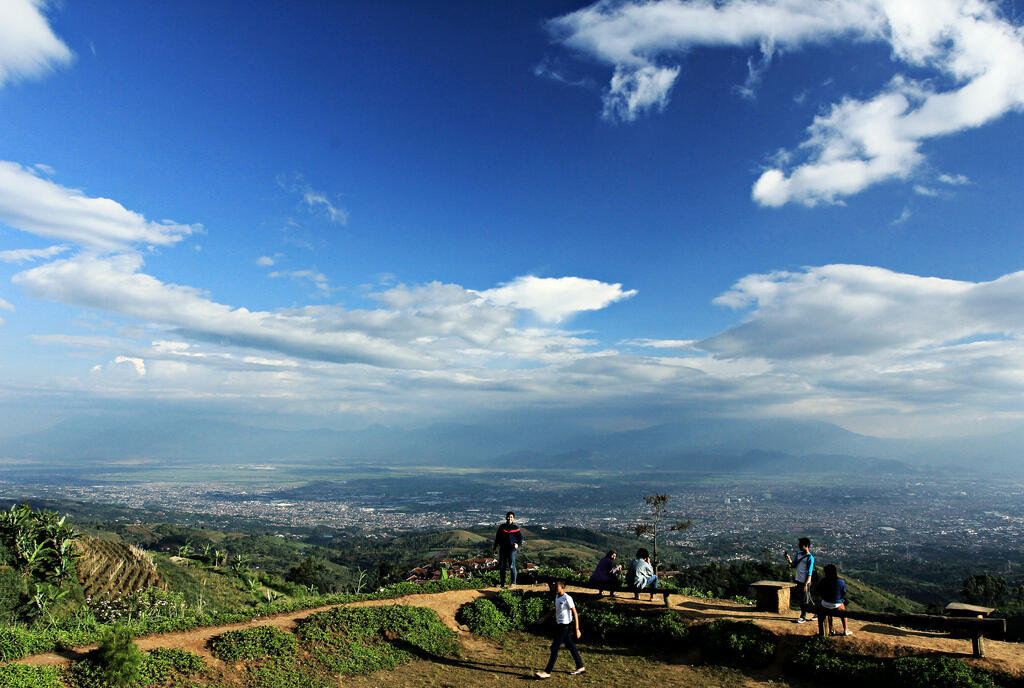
{"x": 507, "y": 558}
{"x": 564, "y": 633}
{"x": 804, "y": 597}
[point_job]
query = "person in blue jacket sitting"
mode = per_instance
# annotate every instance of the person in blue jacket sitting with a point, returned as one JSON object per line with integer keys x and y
{"x": 832, "y": 589}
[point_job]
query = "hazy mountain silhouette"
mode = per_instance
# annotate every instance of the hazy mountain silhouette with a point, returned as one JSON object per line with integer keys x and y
{"x": 695, "y": 443}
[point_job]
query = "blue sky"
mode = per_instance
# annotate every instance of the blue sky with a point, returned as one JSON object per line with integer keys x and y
{"x": 402, "y": 212}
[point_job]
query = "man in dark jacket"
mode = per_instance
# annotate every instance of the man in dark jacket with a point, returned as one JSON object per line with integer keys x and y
{"x": 507, "y": 541}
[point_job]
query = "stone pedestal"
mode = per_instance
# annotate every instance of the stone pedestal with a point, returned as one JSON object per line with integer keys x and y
{"x": 772, "y": 596}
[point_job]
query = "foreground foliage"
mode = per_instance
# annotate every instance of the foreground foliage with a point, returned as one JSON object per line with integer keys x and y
{"x": 257, "y": 642}
{"x": 817, "y": 658}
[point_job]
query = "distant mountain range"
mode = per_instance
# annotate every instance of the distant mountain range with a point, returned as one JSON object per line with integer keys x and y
{"x": 699, "y": 444}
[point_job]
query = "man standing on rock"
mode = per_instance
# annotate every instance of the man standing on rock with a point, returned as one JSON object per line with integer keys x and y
{"x": 507, "y": 541}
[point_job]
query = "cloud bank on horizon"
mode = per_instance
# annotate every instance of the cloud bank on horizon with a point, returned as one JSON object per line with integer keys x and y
{"x": 972, "y": 55}
{"x": 861, "y": 345}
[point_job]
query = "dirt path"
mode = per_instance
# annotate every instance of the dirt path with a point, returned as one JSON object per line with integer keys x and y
{"x": 872, "y": 638}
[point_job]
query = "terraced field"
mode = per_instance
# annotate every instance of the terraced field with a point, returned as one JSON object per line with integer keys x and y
{"x": 109, "y": 569}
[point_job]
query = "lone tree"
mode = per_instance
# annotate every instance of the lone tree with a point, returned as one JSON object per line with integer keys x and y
{"x": 657, "y": 520}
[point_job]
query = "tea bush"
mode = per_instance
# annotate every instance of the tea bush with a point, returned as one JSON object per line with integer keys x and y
{"x": 361, "y": 640}
{"x": 735, "y": 643}
{"x": 22, "y": 676}
{"x": 253, "y": 643}
{"x": 484, "y": 619}
{"x": 817, "y": 659}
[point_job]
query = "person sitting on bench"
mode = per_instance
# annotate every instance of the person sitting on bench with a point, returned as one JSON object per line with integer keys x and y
{"x": 605, "y": 575}
{"x": 641, "y": 574}
{"x": 832, "y": 589}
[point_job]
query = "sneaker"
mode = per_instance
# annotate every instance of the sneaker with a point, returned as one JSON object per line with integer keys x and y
{"x": 578, "y": 671}
{"x": 542, "y": 674}
{"x": 848, "y": 633}
{"x": 801, "y": 620}
{"x": 814, "y": 617}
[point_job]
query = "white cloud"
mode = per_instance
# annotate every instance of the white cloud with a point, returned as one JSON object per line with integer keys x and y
{"x": 662, "y": 343}
{"x": 6, "y": 305}
{"x": 967, "y": 44}
{"x": 432, "y": 326}
{"x": 904, "y": 215}
{"x": 633, "y": 91}
{"x": 855, "y": 310}
{"x": 265, "y": 261}
{"x": 639, "y": 38}
{"x": 28, "y": 46}
{"x": 315, "y": 201}
{"x": 954, "y": 179}
{"x": 137, "y": 363}
{"x": 41, "y": 207}
{"x": 20, "y": 255}
{"x": 923, "y": 190}
{"x": 318, "y": 279}
{"x": 556, "y": 298}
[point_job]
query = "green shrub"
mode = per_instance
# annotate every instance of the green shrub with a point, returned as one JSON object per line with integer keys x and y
{"x": 170, "y": 664}
{"x": 362, "y": 640}
{"x": 925, "y": 672}
{"x": 13, "y": 593}
{"x": 118, "y": 659}
{"x": 735, "y": 643}
{"x": 13, "y": 643}
{"x": 286, "y": 672}
{"x": 22, "y": 676}
{"x": 484, "y": 619}
{"x": 521, "y": 610}
{"x": 817, "y": 659}
{"x": 256, "y": 642}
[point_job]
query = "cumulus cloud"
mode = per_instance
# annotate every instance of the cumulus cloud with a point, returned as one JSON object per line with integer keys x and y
{"x": 427, "y": 327}
{"x": 976, "y": 53}
{"x": 28, "y": 46}
{"x": 41, "y": 207}
{"x": 855, "y": 310}
{"x": 21, "y": 255}
{"x": 556, "y": 298}
{"x": 265, "y": 261}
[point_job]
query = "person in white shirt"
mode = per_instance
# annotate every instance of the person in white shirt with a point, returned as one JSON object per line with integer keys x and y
{"x": 567, "y": 630}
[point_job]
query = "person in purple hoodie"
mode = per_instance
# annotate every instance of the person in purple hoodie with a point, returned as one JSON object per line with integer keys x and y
{"x": 605, "y": 575}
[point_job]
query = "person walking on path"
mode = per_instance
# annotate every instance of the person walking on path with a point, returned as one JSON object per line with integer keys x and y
{"x": 507, "y": 541}
{"x": 804, "y": 565}
{"x": 832, "y": 589}
{"x": 567, "y": 630}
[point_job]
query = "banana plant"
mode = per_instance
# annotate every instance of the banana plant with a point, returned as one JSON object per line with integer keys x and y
{"x": 240, "y": 563}
{"x": 207, "y": 549}
{"x": 44, "y": 597}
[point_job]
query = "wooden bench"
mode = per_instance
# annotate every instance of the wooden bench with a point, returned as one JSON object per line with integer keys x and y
{"x": 975, "y": 625}
{"x": 971, "y": 611}
{"x": 772, "y": 596}
{"x": 665, "y": 594}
